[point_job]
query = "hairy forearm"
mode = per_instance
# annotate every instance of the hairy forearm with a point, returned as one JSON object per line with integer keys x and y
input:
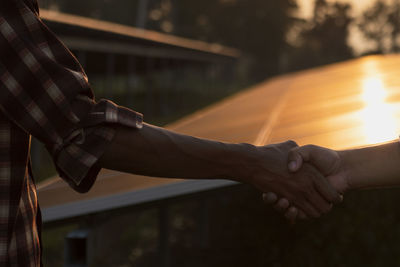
{"x": 154, "y": 151}
{"x": 372, "y": 167}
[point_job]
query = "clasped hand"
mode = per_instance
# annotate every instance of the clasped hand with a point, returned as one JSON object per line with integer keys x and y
{"x": 315, "y": 180}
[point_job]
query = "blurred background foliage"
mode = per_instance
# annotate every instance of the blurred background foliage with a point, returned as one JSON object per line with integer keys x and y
{"x": 381, "y": 25}
{"x": 271, "y": 34}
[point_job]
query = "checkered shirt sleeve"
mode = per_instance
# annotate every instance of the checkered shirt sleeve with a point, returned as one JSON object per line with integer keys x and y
{"x": 44, "y": 90}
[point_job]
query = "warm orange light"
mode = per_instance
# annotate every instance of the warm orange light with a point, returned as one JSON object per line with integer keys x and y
{"x": 373, "y": 91}
{"x": 378, "y": 116}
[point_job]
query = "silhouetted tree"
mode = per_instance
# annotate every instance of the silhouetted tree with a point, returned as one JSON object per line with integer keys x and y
{"x": 323, "y": 39}
{"x": 374, "y": 24}
{"x": 380, "y": 24}
{"x": 120, "y": 11}
{"x": 394, "y": 20}
{"x": 257, "y": 27}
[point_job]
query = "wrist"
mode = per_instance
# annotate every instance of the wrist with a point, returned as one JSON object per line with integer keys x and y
{"x": 347, "y": 166}
{"x": 244, "y": 159}
{"x": 260, "y": 160}
{"x": 373, "y": 166}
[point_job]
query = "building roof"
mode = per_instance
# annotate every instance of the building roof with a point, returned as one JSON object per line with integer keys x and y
{"x": 97, "y": 35}
{"x": 349, "y": 104}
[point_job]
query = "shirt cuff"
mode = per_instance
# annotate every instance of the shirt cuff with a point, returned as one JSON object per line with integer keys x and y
{"x": 77, "y": 160}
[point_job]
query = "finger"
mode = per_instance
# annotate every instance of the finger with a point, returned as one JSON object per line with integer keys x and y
{"x": 282, "y": 205}
{"x": 320, "y": 204}
{"x": 306, "y": 153}
{"x": 310, "y": 176}
{"x": 326, "y": 160}
{"x": 309, "y": 210}
{"x": 270, "y": 198}
{"x": 322, "y": 186}
{"x": 327, "y": 191}
{"x": 291, "y": 214}
{"x": 313, "y": 195}
{"x": 295, "y": 160}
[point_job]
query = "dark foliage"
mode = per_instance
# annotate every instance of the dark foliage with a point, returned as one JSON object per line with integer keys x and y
{"x": 323, "y": 39}
{"x": 256, "y": 27}
{"x": 380, "y": 24}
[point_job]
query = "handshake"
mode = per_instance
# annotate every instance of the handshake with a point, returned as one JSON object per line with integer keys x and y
{"x": 305, "y": 182}
{"x": 300, "y": 182}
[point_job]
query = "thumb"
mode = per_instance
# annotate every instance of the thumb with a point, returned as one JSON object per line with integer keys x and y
{"x": 295, "y": 159}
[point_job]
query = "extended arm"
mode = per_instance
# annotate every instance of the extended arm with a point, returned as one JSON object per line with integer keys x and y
{"x": 155, "y": 151}
{"x": 367, "y": 167}
{"x": 372, "y": 167}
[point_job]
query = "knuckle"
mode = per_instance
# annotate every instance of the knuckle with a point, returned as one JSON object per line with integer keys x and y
{"x": 291, "y": 143}
{"x": 284, "y": 202}
{"x": 311, "y": 146}
{"x": 308, "y": 146}
{"x": 338, "y": 199}
{"x": 269, "y": 198}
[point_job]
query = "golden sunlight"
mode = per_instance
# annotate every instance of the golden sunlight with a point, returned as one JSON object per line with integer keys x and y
{"x": 373, "y": 91}
{"x": 378, "y": 116}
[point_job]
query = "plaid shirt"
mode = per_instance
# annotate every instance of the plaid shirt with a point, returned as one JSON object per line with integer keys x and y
{"x": 44, "y": 93}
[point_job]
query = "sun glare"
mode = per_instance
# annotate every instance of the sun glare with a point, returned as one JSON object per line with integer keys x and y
{"x": 378, "y": 115}
{"x": 373, "y": 91}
